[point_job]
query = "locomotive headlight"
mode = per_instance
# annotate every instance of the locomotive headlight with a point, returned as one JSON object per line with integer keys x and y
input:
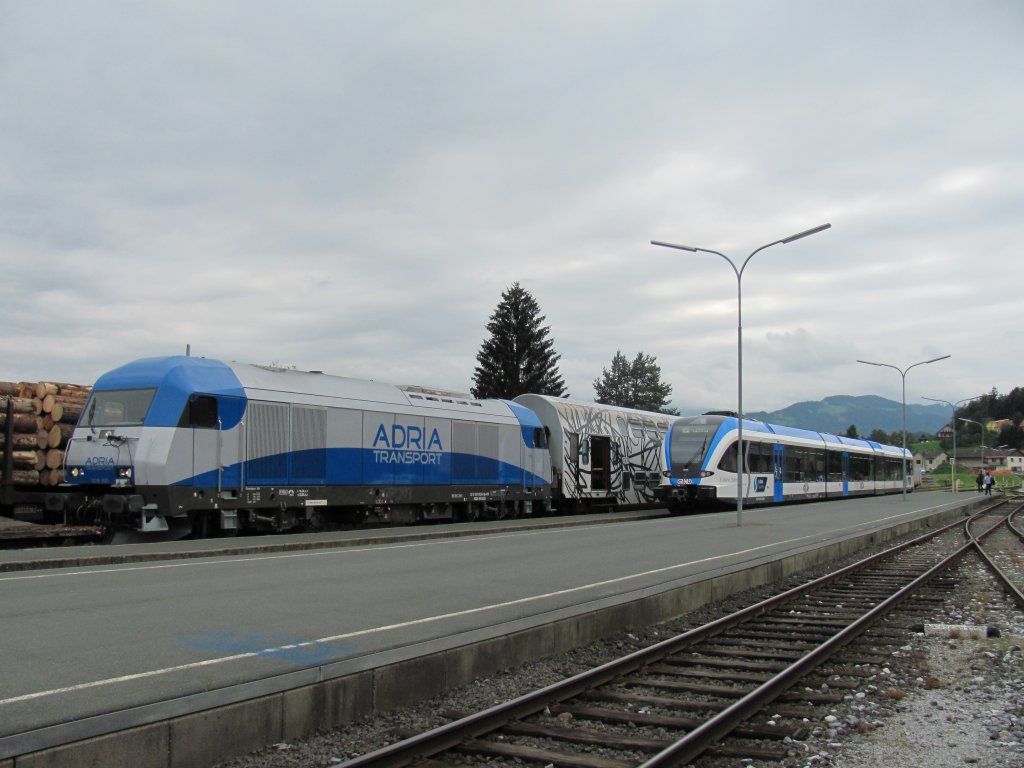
{"x": 75, "y": 471}
{"x": 125, "y": 472}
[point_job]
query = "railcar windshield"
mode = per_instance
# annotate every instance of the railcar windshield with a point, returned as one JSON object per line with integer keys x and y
{"x": 690, "y": 441}
{"x": 117, "y": 408}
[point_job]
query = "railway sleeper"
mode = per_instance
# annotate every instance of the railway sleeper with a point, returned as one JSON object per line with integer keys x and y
{"x": 651, "y": 719}
{"x": 534, "y": 754}
{"x": 832, "y": 681}
{"x": 630, "y": 742}
{"x": 730, "y": 692}
{"x": 688, "y": 705}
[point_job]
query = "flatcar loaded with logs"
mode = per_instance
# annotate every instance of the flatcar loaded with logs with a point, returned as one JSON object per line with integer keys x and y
{"x": 37, "y": 420}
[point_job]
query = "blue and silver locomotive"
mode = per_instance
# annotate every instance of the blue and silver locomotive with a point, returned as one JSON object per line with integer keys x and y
{"x": 198, "y": 445}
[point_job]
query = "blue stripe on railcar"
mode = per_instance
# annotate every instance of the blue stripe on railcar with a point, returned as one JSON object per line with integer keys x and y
{"x": 345, "y": 467}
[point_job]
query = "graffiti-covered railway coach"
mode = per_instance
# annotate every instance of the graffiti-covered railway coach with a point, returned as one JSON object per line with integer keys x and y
{"x": 198, "y": 444}
{"x": 601, "y": 455}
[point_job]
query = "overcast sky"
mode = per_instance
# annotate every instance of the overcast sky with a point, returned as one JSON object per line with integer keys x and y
{"x": 350, "y": 187}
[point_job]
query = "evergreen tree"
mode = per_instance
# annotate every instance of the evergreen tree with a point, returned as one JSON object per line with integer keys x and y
{"x": 851, "y": 431}
{"x": 634, "y": 384}
{"x": 518, "y": 358}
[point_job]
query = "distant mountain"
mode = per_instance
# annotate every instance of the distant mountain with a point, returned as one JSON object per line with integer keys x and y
{"x": 867, "y": 412}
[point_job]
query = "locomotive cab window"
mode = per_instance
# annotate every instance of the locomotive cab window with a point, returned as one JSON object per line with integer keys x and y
{"x": 117, "y": 408}
{"x": 200, "y": 411}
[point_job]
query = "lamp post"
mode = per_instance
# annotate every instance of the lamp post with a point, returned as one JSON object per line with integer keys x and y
{"x": 903, "y": 374}
{"x": 952, "y": 469}
{"x": 739, "y": 340}
{"x": 982, "y": 428}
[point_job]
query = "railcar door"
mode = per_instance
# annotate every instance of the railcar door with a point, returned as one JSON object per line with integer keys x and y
{"x": 778, "y": 470}
{"x": 846, "y": 473}
{"x": 600, "y": 463}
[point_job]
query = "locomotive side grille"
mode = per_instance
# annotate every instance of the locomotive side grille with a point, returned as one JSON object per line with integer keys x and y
{"x": 309, "y": 445}
{"x": 268, "y": 443}
{"x": 463, "y": 452}
{"x": 487, "y": 456}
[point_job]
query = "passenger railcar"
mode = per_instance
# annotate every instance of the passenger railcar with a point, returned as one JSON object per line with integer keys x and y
{"x": 780, "y": 464}
{"x": 196, "y": 444}
{"x": 600, "y": 454}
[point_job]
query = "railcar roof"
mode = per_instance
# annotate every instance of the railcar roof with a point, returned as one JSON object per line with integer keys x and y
{"x": 560, "y": 403}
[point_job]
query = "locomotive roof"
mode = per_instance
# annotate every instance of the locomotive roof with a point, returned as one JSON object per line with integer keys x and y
{"x": 179, "y": 376}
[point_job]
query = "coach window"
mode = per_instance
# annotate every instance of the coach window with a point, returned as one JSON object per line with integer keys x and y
{"x": 201, "y": 411}
{"x": 835, "y": 467}
{"x": 795, "y": 465}
{"x": 861, "y": 468}
{"x": 816, "y": 458}
{"x": 574, "y": 448}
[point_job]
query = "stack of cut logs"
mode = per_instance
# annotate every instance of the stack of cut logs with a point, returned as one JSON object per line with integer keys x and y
{"x": 44, "y": 416}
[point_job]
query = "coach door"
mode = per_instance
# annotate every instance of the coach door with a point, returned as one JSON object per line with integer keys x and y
{"x": 846, "y": 474}
{"x": 600, "y": 463}
{"x": 778, "y": 469}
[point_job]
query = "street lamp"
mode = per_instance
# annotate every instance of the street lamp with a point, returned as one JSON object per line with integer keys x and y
{"x": 739, "y": 340}
{"x": 903, "y": 375}
{"x": 952, "y": 469}
{"x": 982, "y": 428}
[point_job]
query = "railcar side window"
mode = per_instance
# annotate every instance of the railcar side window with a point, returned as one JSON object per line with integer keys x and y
{"x": 759, "y": 457}
{"x": 728, "y": 462}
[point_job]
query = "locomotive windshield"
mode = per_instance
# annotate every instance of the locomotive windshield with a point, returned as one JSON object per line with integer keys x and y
{"x": 117, "y": 408}
{"x": 690, "y": 440}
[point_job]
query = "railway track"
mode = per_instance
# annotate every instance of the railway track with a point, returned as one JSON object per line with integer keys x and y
{"x": 698, "y": 694}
